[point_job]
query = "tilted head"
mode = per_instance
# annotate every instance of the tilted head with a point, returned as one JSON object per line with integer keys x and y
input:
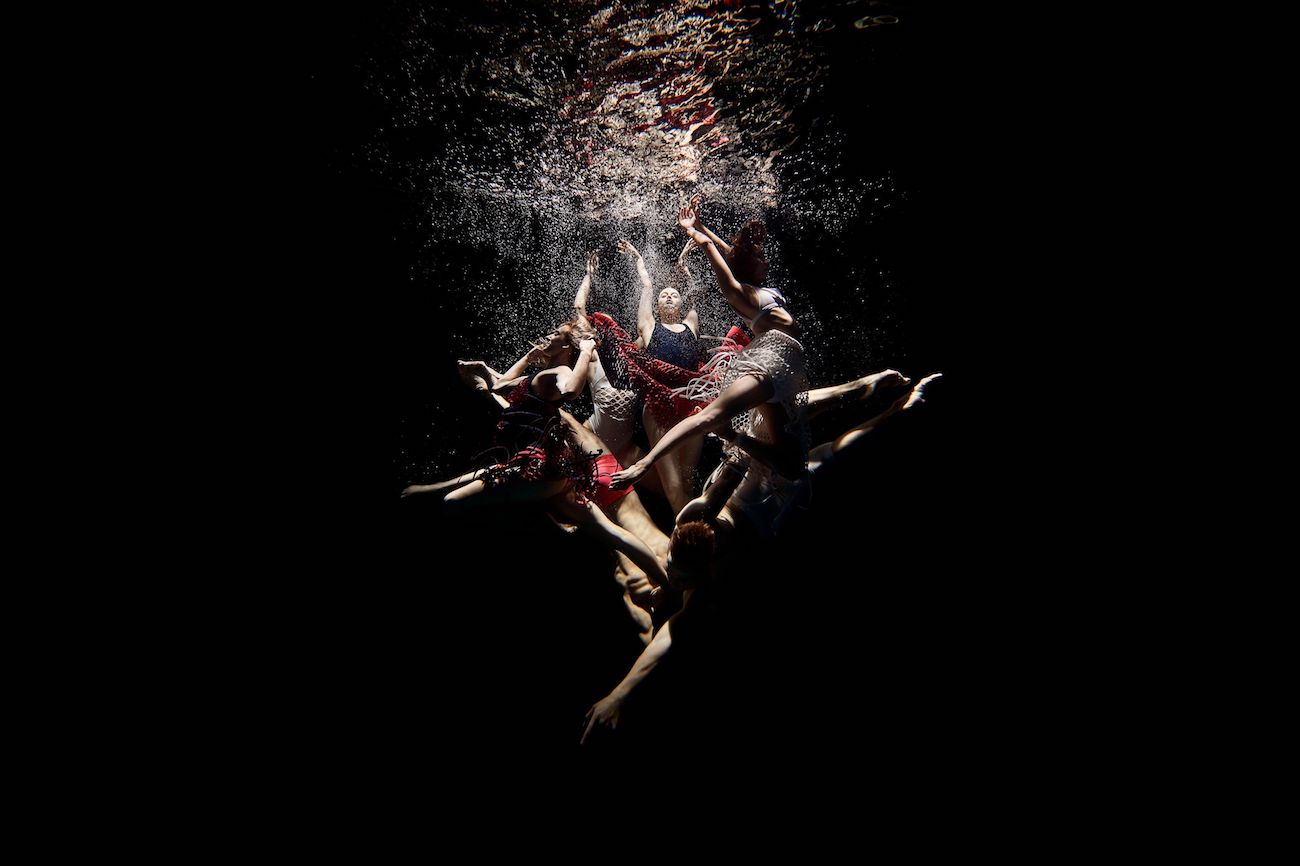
{"x": 690, "y": 555}
{"x": 670, "y": 306}
{"x": 559, "y": 345}
{"x": 747, "y": 260}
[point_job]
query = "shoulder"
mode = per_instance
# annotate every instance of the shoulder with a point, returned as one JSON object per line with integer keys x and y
{"x": 545, "y": 384}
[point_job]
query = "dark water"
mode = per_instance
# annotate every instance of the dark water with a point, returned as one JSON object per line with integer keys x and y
{"x": 459, "y": 191}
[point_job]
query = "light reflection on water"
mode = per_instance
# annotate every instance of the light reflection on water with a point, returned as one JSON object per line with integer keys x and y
{"x": 561, "y": 127}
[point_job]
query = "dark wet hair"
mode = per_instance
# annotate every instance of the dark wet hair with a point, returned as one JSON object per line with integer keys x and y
{"x": 747, "y": 260}
{"x": 692, "y": 550}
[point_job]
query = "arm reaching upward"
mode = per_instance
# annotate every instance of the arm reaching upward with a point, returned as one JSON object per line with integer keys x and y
{"x": 584, "y": 287}
{"x": 692, "y": 319}
{"x": 572, "y": 383}
{"x": 645, "y": 310}
{"x": 695, "y": 207}
{"x": 732, "y": 289}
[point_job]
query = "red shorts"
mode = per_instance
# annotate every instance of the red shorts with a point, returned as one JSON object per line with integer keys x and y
{"x": 605, "y": 467}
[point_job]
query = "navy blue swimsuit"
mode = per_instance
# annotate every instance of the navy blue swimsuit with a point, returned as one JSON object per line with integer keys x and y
{"x": 679, "y": 348}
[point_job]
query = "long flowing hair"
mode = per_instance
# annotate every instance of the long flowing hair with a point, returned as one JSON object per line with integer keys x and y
{"x": 747, "y": 260}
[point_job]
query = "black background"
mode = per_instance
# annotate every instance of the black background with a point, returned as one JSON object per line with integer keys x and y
{"x": 879, "y": 615}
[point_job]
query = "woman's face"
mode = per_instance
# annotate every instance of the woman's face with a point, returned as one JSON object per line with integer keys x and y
{"x": 557, "y": 343}
{"x": 670, "y": 304}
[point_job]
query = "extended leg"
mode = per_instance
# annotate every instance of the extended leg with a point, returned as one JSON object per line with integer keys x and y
{"x": 913, "y": 397}
{"x": 742, "y": 395}
{"x": 676, "y": 470}
{"x": 821, "y": 399}
{"x": 449, "y": 484}
{"x": 476, "y": 493}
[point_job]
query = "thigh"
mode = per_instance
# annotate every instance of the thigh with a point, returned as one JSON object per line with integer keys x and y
{"x": 749, "y": 391}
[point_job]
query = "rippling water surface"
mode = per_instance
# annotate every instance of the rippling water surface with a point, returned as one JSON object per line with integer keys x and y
{"x": 534, "y": 132}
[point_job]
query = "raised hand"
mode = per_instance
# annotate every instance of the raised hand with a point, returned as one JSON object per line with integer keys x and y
{"x": 628, "y": 249}
{"x": 587, "y": 345}
{"x": 537, "y": 353}
{"x": 593, "y": 260}
{"x": 686, "y": 218}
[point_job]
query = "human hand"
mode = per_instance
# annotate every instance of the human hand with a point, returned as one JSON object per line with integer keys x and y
{"x": 537, "y": 353}
{"x": 603, "y": 715}
{"x": 587, "y": 345}
{"x": 628, "y": 249}
{"x": 593, "y": 260}
{"x": 629, "y": 476}
{"x": 686, "y": 218}
{"x": 475, "y": 374}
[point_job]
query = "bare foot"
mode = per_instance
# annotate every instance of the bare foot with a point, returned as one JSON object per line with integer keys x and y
{"x": 869, "y": 384}
{"x": 918, "y": 390}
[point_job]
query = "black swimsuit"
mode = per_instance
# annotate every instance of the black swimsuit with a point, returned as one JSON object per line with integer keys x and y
{"x": 681, "y": 348}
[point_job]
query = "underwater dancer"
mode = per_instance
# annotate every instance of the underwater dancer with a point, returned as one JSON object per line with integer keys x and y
{"x": 742, "y": 489}
{"x": 614, "y": 411}
{"x": 557, "y": 461}
{"x": 766, "y": 379}
{"x": 672, "y": 338}
{"x": 690, "y": 564}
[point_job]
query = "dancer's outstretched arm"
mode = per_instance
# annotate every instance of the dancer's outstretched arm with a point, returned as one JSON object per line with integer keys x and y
{"x": 692, "y": 319}
{"x": 441, "y": 486}
{"x": 743, "y": 301}
{"x": 606, "y": 712}
{"x": 742, "y": 296}
{"x": 695, "y": 206}
{"x": 645, "y": 308}
{"x": 629, "y": 545}
{"x": 584, "y": 287}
